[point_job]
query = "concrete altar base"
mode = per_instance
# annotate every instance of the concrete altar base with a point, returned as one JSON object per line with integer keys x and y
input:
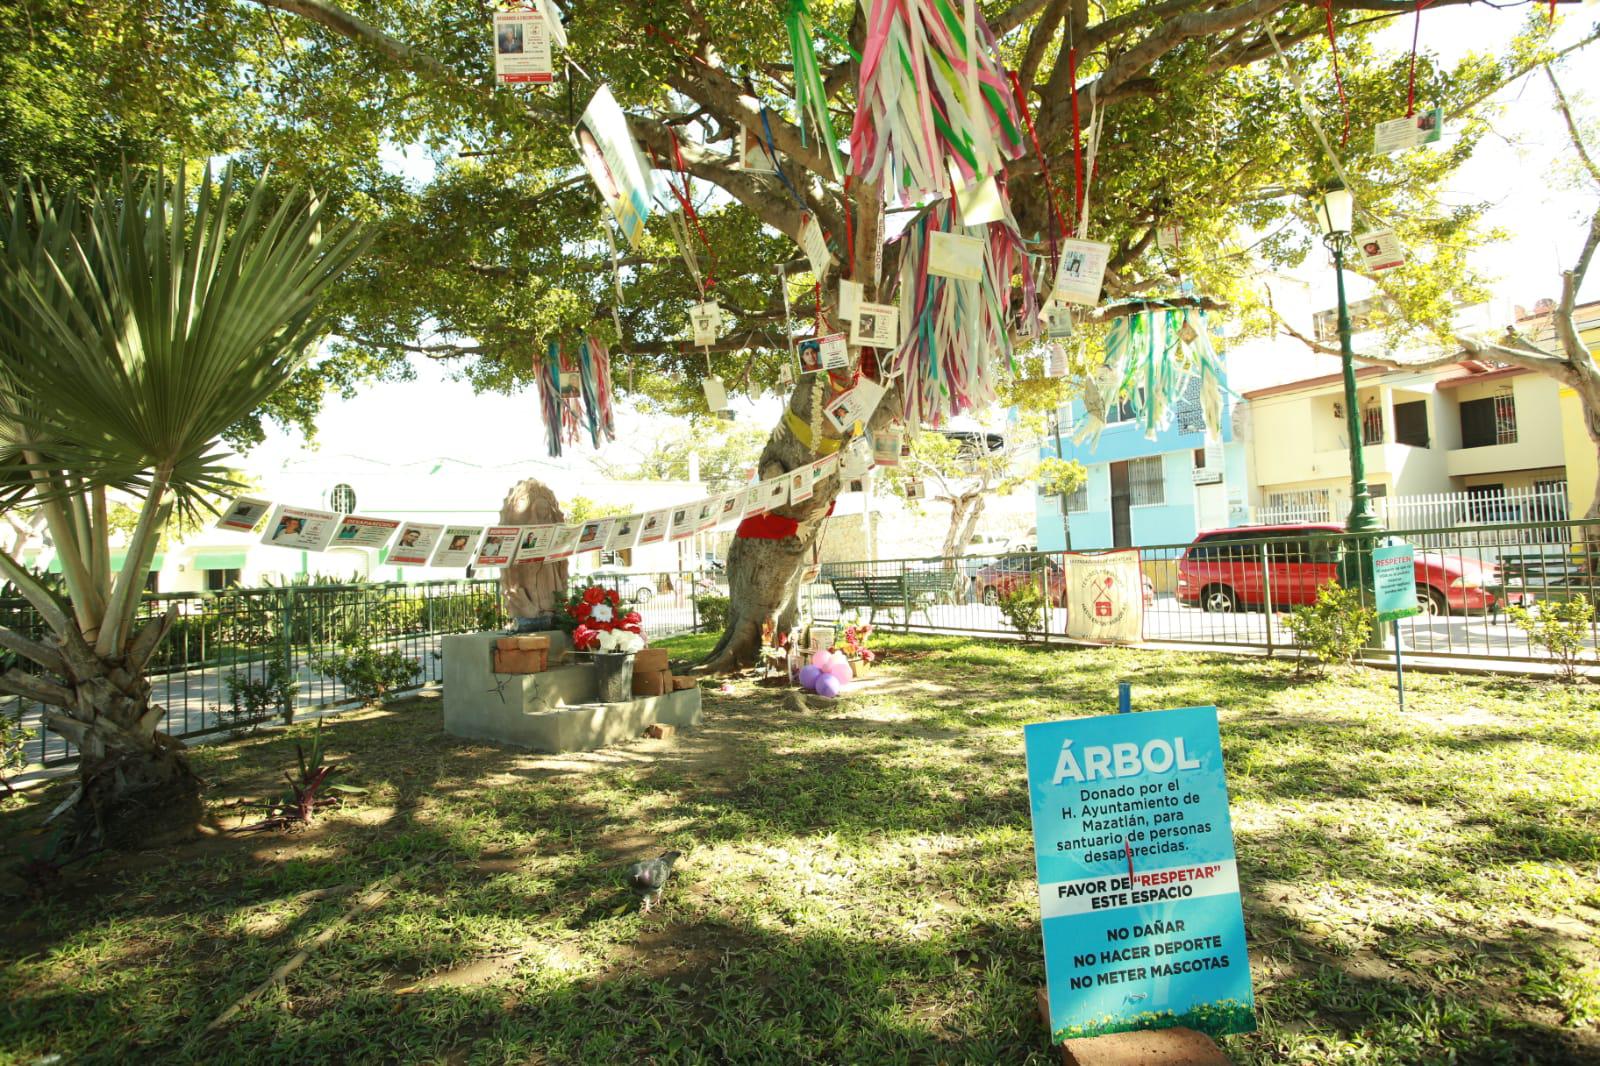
{"x": 553, "y": 711}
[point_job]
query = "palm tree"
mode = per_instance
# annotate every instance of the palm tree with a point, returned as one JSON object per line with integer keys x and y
{"x": 137, "y": 323}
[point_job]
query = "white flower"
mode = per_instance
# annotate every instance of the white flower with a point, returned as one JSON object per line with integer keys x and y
{"x": 602, "y": 612}
{"x": 627, "y": 641}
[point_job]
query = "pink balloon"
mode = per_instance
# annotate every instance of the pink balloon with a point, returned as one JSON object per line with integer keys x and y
{"x": 840, "y": 659}
{"x": 828, "y": 685}
{"x": 840, "y": 671}
{"x": 808, "y": 676}
{"x": 819, "y": 658}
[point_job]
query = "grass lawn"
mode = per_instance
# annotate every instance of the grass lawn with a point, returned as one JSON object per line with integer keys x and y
{"x": 857, "y": 884}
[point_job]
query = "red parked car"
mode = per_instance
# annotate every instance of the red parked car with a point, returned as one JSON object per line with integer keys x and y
{"x": 1004, "y": 574}
{"x": 1226, "y": 570}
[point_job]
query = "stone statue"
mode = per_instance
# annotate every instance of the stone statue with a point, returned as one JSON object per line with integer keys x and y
{"x": 533, "y": 591}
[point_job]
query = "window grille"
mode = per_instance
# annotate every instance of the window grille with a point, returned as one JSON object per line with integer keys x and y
{"x": 1146, "y": 482}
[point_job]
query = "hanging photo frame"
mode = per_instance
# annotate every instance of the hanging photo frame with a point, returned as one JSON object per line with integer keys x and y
{"x": 886, "y": 448}
{"x": 753, "y": 155}
{"x": 1082, "y": 272}
{"x": 876, "y": 326}
{"x": 705, "y": 319}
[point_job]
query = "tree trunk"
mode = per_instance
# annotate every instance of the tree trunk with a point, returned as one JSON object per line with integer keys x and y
{"x": 134, "y": 782}
{"x": 953, "y": 540}
{"x": 764, "y": 575}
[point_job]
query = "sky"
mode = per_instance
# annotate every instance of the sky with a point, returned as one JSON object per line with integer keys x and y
{"x": 1513, "y": 170}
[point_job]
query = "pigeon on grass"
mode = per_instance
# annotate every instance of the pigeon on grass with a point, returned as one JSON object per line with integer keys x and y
{"x": 649, "y": 877}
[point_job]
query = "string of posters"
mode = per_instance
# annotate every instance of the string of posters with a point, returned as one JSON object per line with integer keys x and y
{"x": 414, "y": 543}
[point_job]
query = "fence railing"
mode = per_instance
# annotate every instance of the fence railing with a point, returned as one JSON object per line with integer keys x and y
{"x": 1234, "y": 594}
{"x": 222, "y": 642}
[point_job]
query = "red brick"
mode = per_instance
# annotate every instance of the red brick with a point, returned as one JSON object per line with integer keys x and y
{"x": 658, "y": 731}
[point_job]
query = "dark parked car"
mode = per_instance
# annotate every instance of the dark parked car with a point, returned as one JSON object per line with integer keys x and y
{"x": 1226, "y": 570}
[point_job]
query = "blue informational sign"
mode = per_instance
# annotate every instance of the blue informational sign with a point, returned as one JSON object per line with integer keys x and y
{"x": 1164, "y": 945}
{"x": 1394, "y": 582}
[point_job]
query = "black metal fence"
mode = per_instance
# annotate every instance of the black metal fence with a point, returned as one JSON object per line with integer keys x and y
{"x": 1234, "y": 591}
{"x": 225, "y": 645}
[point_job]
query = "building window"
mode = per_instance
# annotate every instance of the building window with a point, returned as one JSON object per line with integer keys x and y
{"x": 1078, "y": 498}
{"x": 1296, "y": 505}
{"x": 1489, "y": 421}
{"x": 1411, "y": 423}
{"x": 217, "y": 580}
{"x": 1146, "y": 482}
{"x": 1372, "y": 425}
{"x": 342, "y": 498}
{"x": 1124, "y": 408}
{"x": 1199, "y": 458}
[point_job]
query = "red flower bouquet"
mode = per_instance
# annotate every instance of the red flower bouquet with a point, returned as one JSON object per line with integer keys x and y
{"x": 602, "y": 622}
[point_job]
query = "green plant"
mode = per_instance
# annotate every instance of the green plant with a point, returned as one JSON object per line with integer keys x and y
{"x": 1023, "y": 608}
{"x": 255, "y": 699}
{"x": 13, "y": 749}
{"x": 367, "y": 673}
{"x": 712, "y": 610}
{"x": 307, "y": 792}
{"x": 1332, "y": 630}
{"x": 1559, "y": 627}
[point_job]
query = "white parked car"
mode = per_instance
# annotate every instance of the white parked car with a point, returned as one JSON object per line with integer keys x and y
{"x": 634, "y": 588}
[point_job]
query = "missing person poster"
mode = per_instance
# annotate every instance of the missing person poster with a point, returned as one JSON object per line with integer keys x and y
{"x": 357, "y": 532}
{"x": 498, "y": 546}
{"x": 300, "y": 527}
{"x": 244, "y": 515}
{"x": 732, "y": 507}
{"x": 612, "y": 158}
{"x": 876, "y": 326}
{"x": 886, "y": 448}
{"x": 457, "y": 546}
{"x": 533, "y": 544}
{"x": 1138, "y": 887}
{"x": 592, "y": 535}
{"x": 683, "y": 520}
{"x": 654, "y": 528}
{"x": 1380, "y": 250}
{"x": 522, "y": 47}
{"x": 415, "y": 544}
{"x": 1424, "y": 127}
{"x": 625, "y": 533}
{"x": 774, "y": 492}
{"x": 1082, "y": 272}
{"x": 800, "y": 480}
{"x": 854, "y": 405}
{"x": 563, "y": 542}
{"x": 710, "y": 510}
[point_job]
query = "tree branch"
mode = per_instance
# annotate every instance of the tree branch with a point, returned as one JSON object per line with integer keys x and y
{"x": 34, "y": 651}
{"x": 18, "y": 683}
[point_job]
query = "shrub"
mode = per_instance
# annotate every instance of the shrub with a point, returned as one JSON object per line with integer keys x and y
{"x": 712, "y": 610}
{"x": 368, "y": 674}
{"x": 1334, "y": 629}
{"x": 1023, "y": 608}
{"x": 1559, "y": 627}
{"x": 13, "y": 749}
{"x": 255, "y": 699}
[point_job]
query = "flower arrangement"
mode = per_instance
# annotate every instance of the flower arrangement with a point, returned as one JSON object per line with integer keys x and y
{"x": 602, "y": 622}
{"x": 855, "y": 642}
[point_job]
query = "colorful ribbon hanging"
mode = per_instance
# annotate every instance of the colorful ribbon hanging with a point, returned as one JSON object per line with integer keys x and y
{"x": 933, "y": 97}
{"x": 1338, "y": 78}
{"x": 810, "y": 95}
{"x": 548, "y": 374}
{"x": 1411, "y": 79}
{"x": 956, "y": 326}
{"x": 594, "y": 378}
{"x": 1149, "y": 361}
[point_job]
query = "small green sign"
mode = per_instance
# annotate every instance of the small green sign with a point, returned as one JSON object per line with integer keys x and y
{"x": 1394, "y": 582}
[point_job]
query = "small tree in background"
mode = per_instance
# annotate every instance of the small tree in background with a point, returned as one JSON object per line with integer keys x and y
{"x": 1560, "y": 628}
{"x": 137, "y": 324}
{"x": 1333, "y": 630}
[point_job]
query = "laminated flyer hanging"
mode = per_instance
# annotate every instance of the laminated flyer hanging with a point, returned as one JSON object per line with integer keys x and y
{"x": 849, "y": 300}
{"x": 706, "y": 321}
{"x": 612, "y": 158}
{"x": 1057, "y": 321}
{"x": 716, "y": 393}
{"x": 1055, "y": 362}
{"x": 522, "y": 47}
{"x": 244, "y": 514}
{"x": 564, "y": 542}
{"x": 1380, "y": 250}
{"x": 955, "y": 255}
{"x": 816, "y": 247}
{"x": 774, "y": 492}
{"x": 854, "y": 405}
{"x": 824, "y": 353}
{"x": 498, "y": 546}
{"x": 886, "y": 448}
{"x": 1425, "y": 127}
{"x": 1082, "y": 272}
{"x": 876, "y": 326}
{"x": 753, "y": 155}
{"x": 707, "y": 512}
{"x": 733, "y": 505}
{"x": 683, "y": 520}
{"x": 415, "y": 544}
{"x": 981, "y": 203}
{"x": 356, "y": 531}
{"x": 457, "y": 546}
{"x": 300, "y": 527}
{"x": 592, "y": 536}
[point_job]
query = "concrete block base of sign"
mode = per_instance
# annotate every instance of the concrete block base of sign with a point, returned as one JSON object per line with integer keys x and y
{"x": 554, "y": 710}
{"x": 1150, "y": 1047}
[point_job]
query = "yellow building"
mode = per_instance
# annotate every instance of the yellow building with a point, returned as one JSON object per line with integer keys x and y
{"x": 1580, "y": 448}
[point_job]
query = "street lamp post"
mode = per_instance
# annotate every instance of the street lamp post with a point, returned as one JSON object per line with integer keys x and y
{"x": 1335, "y": 213}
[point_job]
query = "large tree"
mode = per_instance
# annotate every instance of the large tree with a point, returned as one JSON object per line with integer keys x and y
{"x": 498, "y": 245}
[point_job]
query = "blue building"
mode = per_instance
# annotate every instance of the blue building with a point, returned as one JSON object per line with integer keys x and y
{"x": 1142, "y": 492}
